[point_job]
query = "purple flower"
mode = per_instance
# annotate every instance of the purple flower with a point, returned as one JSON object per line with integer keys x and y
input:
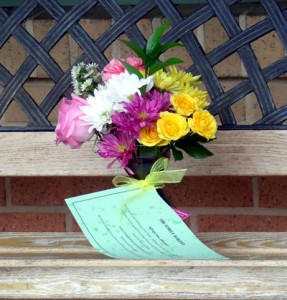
{"x": 119, "y": 146}
{"x": 141, "y": 112}
{"x": 162, "y": 99}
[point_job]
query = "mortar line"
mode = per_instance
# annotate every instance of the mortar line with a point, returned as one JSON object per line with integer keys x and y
{"x": 69, "y": 222}
{"x": 29, "y": 26}
{"x": 8, "y": 192}
{"x": 116, "y": 48}
{"x": 199, "y": 32}
{"x": 248, "y": 211}
{"x": 193, "y": 222}
{"x": 73, "y": 50}
{"x": 242, "y": 24}
{"x": 255, "y": 192}
{"x": 35, "y": 209}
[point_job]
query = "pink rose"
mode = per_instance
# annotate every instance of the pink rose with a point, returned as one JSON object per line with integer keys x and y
{"x": 70, "y": 129}
{"x": 115, "y": 67}
{"x": 135, "y": 62}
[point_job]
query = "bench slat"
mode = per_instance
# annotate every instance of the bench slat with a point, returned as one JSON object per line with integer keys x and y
{"x": 236, "y": 245}
{"x": 190, "y": 282}
{"x": 236, "y": 153}
{"x": 64, "y": 266}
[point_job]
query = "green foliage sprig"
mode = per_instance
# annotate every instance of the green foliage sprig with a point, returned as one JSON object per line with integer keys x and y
{"x": 151, "y": 52}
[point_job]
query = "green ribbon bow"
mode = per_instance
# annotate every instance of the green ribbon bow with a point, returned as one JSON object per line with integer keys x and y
{"x": 157, "y": 177}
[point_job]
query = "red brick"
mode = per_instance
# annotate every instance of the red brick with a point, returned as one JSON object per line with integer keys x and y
{"x": 53, "y": 191}
{"x": 76, "y": 227}
{"x": 272, "y": 192}
{"x": 31, "y": 222}
{"x": 2, "y": 192}
{"x": 212, "y": 191}
{"x": 219, "y": 223}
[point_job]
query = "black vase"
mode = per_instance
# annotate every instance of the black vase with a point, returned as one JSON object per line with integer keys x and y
{"x": 141, "y": 166}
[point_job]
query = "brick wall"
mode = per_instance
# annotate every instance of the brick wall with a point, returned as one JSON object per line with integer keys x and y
{"x": 216, "y": 203}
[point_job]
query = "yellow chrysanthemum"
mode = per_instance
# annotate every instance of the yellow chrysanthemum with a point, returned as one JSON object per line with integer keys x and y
{"x": 203, "y": 123}
{"x": 198, "y": 95}
{"x": 174, "y": 80}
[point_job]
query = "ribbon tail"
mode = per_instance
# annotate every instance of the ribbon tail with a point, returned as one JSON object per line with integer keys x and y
{"x": 173, "y": 176}
{"x": 181, "y": 213}
{"x": 129, "y": 198}
{"x": 123, "y": 180}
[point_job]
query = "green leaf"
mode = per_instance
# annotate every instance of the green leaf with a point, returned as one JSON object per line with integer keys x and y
{"x": 151, "y": 61}
{"x": 143, "y": 89}
{"x": 177, "y": 154}
{"x": 193, "y": 148}
{"x": 136, "y": 48}
{"x": 146, "y": 151}
{"x": 132, "y": 70}
{"x": 164, "y": 47}
{"x": 199, "y": 138}
{"x": 161, "y": 65}
{"x": 155, "y": 38}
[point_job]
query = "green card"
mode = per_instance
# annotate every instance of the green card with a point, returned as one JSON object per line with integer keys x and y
{"x": 131, "y": 223}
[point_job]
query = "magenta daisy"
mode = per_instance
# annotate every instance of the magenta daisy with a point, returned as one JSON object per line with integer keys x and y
{"x": 141, "y": 112}
{"x": 119, "y": 146}
{"x": 162, "y": 100}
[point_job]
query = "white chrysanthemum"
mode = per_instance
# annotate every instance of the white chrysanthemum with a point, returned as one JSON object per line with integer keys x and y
{"x": 99, "y": 112}
{"x": 109, "y": 98}
{"x": 125, "y": 85}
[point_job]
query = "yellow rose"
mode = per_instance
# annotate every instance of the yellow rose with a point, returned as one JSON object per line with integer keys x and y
{"x": 184, "y": 104}
{"x": 171, "y": 126}
{"x": 149, "y": 137}
{"x": 203, "y": 123}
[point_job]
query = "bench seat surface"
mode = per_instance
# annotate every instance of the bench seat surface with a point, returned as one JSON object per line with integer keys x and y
{"x": 65, "y": 266}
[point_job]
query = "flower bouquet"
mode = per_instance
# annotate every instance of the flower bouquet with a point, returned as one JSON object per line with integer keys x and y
{"x": 139, "y": 109}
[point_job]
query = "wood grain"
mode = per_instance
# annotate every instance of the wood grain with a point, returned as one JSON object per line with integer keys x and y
{"x": 235, "y": 245}
{"x": 64, "y": 266}
{"x": 235, "y": 153}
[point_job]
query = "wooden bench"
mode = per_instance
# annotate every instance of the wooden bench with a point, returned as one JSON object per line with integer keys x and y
{"x": 63, "y": 265}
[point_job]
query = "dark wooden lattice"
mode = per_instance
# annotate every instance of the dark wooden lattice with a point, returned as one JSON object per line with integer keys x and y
{"x": 125, "y": 22}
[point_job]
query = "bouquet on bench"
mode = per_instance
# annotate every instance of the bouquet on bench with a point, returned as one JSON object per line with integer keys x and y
{"x": 141, "y": 110}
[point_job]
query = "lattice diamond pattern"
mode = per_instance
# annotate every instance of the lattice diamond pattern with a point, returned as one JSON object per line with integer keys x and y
{"x": 68, "y": 22}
